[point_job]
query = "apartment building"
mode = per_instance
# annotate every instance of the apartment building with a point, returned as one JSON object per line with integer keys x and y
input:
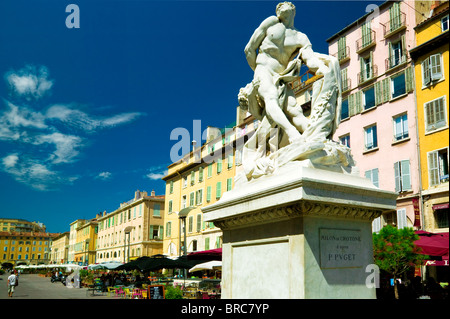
{"x": 86, "y": 242}
{"x": 133, "y": 230}
{"x": 431, "y": 66}
{"x": 60, "y": 249}
{"x": 378, "y": 104}
{"x": 200, "y": 179}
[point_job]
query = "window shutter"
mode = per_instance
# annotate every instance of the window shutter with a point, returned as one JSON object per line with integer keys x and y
{"x": 375, "y": 177}
{"x": 200, "y": 174}
{"x": 406, "y": 176}
{"x": 386, "y": 89}
{"x": 378, "y": 93}
{"x": 161, "y": 232}
{"x": 199, "y": 222}
{"x": 409, "y": 80}
{"x": 376, "y": 225}
{"x": 208, "y": 194}
{"x": 219, "y": 165}
{"x": 401, "y": 218}
{"x": 151, "y": 232}
{"x": 397, "y": 176}
{"x": 351, "y": 105}
{"x": 358, "y": 102}
{"x": 433, "y": 168}
{"x": 229, "y": 184}
{"x": 435, "y": 67}
{"x": 426, "y": 71}
{"x": 218, "y": 189}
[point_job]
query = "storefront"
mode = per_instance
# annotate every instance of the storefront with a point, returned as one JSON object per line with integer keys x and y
{"x": 436, "y": 246}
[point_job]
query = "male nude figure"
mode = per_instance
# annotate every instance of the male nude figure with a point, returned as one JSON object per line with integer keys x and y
{"x": 278, "y": 42}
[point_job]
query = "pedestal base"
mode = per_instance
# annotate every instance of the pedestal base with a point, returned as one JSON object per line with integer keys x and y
{"x": 303, "y": 233}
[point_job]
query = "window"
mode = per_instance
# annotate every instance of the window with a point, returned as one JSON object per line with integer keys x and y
{"x": 401, "y": 127}
{"x": 441, "y": 217}
{"x": 369, "y": 98}
{"x": 230, "y": 161}
{"x": 344, "y": 109}
{"x": 366, "y": 32}
{"x": 370, "y": 137}
{"x": 402, "y": 176}
{"x": 342, "y": 52}
{"x": 435, "y": 116}
{"x": 431, "y": 69}
{"x": 438, "y": 167}
{"x": 200, "y": 174}
{"x": 170, "y": 206}
{"x": 194, "y": 245}
{"x": 396, "y": 53}
{"x": 168, "y": 229}
{"x": 192, "y": 178}
{"x": 171, "y": 187}
{"x": 444, "y": 23}
{"x": 183, "y": 201}
{"x": 345, "y": 83}
{"x": 366, "y": 68}
{"x": 373, "y": 176}
{"x": 199, "y": 197}
{"x": 157, "y": 210}
{"x": 398, "y": 85}
{"x": 345, "y": 140}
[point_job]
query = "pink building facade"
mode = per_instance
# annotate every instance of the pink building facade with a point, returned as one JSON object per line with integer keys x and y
{"x": 378, "y": 118}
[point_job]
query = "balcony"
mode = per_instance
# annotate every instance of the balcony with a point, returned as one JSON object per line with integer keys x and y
{"x": 367, "y": 75}
{"x": 366, "y": 42}
{"x": 396, "y": 60}
{"x": 343, "y": 55}
{"x": 394, "y": 25}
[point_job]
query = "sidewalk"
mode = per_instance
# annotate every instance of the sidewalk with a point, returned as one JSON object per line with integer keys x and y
{"x": 34, "y": 287}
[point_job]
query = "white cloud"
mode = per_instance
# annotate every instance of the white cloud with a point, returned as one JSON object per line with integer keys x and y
{"x": 81, "y": 120}
{"x": 32, "y": 172}
{"x": 10, "y": 161}
{"x": 30, "y": 82}
{"x": 104, "y": 175}
{"x": 156, "y": 176}
{"x": 66, "y": 146}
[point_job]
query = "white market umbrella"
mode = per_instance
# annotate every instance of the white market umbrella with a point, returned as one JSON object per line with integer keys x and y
{"x": 210, "y": 265}
{"x": 111, "y": 264}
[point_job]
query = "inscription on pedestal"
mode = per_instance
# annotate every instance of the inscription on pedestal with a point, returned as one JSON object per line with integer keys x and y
{"x": 340, "y": 248}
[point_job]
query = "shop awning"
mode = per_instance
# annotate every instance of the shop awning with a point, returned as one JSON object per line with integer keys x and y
{"x": 211, "y": 254}
{"x": 433, "y": 244}
{"x": 440, "y": 206}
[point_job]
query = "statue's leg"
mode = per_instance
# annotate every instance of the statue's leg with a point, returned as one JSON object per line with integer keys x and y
{"x": 274, "y": 110}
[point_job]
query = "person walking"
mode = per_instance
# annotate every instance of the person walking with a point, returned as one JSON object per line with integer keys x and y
{"x": 13, "y": 281}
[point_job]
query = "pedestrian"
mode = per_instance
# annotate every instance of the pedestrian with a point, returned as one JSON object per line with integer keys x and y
{"x": 13, "y": 281}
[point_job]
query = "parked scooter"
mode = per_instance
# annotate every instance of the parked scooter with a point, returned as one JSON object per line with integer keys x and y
{"x": 60, "y": 278}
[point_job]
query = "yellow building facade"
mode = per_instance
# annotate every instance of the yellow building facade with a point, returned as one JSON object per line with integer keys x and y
{"x": 25, "y": 248}
{"x": 200, "y": 179}
{"x": 86, "y": 243}
{"x": 431, "y": 67}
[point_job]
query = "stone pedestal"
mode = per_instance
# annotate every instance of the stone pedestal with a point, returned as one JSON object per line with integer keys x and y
{"x": 300, "y": 233}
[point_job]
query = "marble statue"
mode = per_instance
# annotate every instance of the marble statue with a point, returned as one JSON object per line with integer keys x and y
{"x": 276, "y": 52}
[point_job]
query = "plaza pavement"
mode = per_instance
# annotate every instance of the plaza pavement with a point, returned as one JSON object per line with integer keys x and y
{"x": 34, "y": 287}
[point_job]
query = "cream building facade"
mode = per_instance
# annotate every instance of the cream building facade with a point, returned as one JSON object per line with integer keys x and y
{"x": 60, "y": 249}
{"x": 133, "y": 230}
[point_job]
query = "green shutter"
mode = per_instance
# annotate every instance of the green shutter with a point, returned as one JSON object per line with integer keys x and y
{"x": 409, "y": 79}
{"x": 208, "y": 194}
{"x": 218, "y": 189}
{"x": 378, "y": 93}
{"x": 200, "y": 174}
{"x": 219, "y": 165}
{"x": 386, "y": 89}
{"x": 161, "y": 232}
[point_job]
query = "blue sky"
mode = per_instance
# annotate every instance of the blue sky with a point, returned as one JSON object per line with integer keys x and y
{"x": 86, "y": 113}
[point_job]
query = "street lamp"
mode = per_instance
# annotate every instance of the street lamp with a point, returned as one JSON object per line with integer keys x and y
{"x": 182, "y": 216}
{"x": 127, "y": 231}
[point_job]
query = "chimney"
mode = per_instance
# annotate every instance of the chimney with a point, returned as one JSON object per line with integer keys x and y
{"x": 137, "y": 195}
{"x": 153, "y": 193}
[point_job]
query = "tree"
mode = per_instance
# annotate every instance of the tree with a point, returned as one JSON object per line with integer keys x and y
{"x": 395, "y": 252}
